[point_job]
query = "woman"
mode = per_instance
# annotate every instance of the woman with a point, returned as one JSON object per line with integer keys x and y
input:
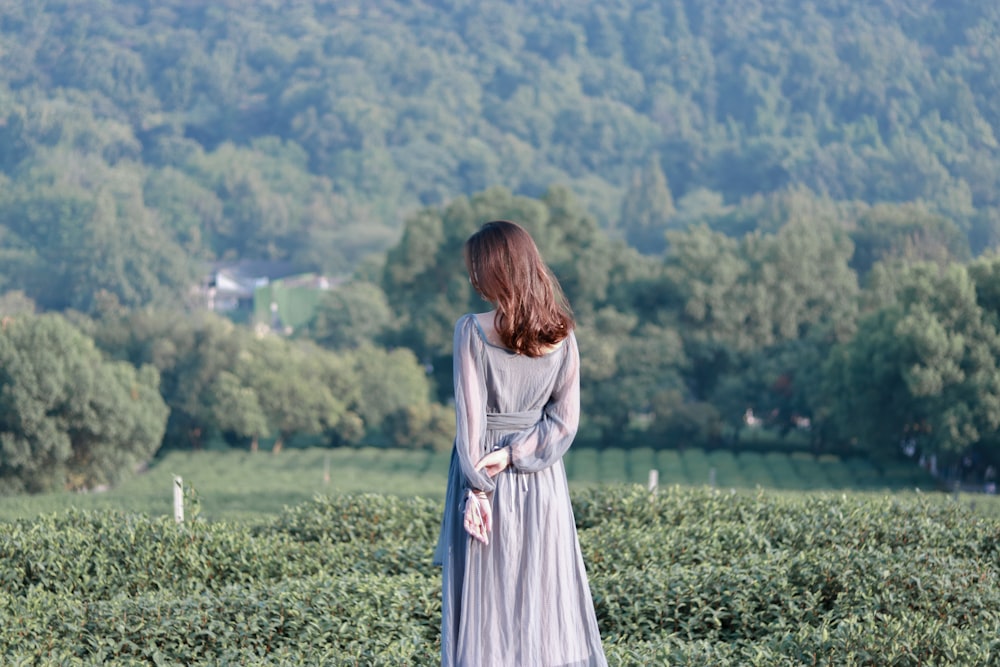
{"x": 515, "y": 591}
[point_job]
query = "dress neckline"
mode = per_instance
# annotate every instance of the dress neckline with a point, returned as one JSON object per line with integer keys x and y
{"x": 487, "y": 341}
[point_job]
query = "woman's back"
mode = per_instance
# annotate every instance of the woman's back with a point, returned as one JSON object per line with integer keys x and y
{"x": 515, "y": 382}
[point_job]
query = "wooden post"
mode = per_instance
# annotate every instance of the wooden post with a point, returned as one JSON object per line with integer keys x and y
{"x": 178, "y": 499}
{"x": 711, "y": 477}
{"x": 326, "y": 469}
{"x": 654, "y": 480}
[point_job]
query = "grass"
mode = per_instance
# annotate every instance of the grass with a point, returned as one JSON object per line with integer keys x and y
{"x": 235, "y": 484}
{"x": 239, "y": 485}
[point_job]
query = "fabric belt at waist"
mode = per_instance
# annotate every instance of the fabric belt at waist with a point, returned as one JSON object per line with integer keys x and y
{"x": 512, "y": 421}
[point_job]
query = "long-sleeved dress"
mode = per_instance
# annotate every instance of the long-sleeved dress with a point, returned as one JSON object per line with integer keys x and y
{"x": 522, "y": 600}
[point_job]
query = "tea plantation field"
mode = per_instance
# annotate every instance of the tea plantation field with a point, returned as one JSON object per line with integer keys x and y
{"x": 690, "y": 576}
{"x": 240, "y": 485}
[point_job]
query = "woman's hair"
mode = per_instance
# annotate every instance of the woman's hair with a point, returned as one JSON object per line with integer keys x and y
{"x": 506, "y": 269}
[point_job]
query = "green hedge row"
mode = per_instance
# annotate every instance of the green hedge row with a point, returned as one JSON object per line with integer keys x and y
{"x": 688, "y": 577}
{"x": 102, "y": 554}
{"x": 338, "y": 615}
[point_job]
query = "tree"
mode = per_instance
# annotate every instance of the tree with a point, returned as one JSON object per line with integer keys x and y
{"x": 984, "y": 234}
{"x": 733, "y": 299}
{"x": 91, "y": 238}
{"x": 922, "y": 369}
{"x": 625, "y": 366}
{"x": 985, "y": 273}
{"x": 236, "y": 409}
{"x": 779, "y": 384}
{"x": 300, "y": 389}
{"x": 69, "y": 419}
{"x": 647, "y": 208}
{"x": 350, "y": 316}
{"x": 191, "y": 353}
{"x": 868, "y": 103}
{"x": 387, "y": 381}
{"x": 762, "y": 289}
{"x": 909, "y": 232}
{"x": 185, "y": 207}
{"x": 13, "y": 144}
{"x": 15, "y": 303}
{"x": 430, "y": 426}
{"x": 683, "y": 423}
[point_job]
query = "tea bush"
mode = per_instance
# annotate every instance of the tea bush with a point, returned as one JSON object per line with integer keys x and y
{"x": 686, "y": 577}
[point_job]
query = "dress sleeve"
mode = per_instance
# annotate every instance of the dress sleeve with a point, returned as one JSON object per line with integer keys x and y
{"x": 470, "y": 403}
{"x": 545, "y": 443}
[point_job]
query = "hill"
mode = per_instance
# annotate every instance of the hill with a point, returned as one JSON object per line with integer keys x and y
{"x": 307, "y": 130}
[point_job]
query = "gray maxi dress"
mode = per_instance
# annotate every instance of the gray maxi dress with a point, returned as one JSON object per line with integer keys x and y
{"x": 522, "y": 600}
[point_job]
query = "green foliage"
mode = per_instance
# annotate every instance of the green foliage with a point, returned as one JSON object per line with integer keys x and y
{"x": 162, "y": 138}
{"x": 236, "y": 409}
{"x": 300, "y": 389}
{"x": 757, "y": 312}
{"x": 388, "y": 381}
{"x": 309, "y": 134}
{"x": 16, "y": 303}
{"x": 922, "y": 369}
{"x": 627, "y": 370}
{"x": 193, "y": 355}
{"x": 647, "y": 208}
{"x": 69, "y": 418}
{"x": 349, "y": 316}
{"x": 81, "y": 230}
{"x": 221, "y": 379}
{"x": 909, "y": 232}
{"x": 677, "y": 420}
{"x": 693, "y": 577}
{"x": 262, "y": 592}
{"x": 718, "y": 558}
{"x": 430, "y": 426}
{"x": 761, "y": 289}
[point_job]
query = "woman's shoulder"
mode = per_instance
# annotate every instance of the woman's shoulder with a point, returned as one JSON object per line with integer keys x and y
{"x": 468, "y": 329}
{"x": 468, "y": 321}
{"x": 487, "y": 331}
{"x": 569, "y": 341}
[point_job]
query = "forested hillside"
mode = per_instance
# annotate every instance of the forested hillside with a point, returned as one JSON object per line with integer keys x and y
{"x": 307, "y": 130}
{"x": 777, "y": 211}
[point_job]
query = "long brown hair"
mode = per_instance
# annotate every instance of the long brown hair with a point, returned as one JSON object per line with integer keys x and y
{"x": 506, "y": 269}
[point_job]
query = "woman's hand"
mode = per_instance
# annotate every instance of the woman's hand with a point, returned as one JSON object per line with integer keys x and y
{"x": 495, "y": 462}
{"x": 478, "y": 516}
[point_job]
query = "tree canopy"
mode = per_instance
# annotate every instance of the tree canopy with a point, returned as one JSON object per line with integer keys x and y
{"x": 69, "y": 419}
{"x": 782, "y": 208}
{"x": 309, "y": 133}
